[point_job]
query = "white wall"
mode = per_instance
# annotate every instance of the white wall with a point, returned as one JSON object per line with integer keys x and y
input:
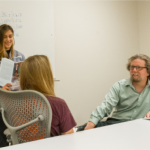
{"x": 93, "y": 41}
{"x": 144, "y": 26}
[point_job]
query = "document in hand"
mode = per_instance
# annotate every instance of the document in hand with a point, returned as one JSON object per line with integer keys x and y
{"x": 6, "y": 71}
{"x": 9, "y": 73}
{"x": 15, "y": 77}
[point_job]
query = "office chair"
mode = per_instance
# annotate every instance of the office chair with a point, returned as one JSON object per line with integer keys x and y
{"x": 27, "y": 115}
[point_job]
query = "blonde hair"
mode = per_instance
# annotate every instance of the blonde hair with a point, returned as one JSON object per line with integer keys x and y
{"x": 143, "y": 57}
{"x": 3, "y": 29}
{"x": 36, "y": 74}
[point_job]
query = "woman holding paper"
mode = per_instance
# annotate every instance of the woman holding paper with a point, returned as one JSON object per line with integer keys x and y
{"x": 7, "y": 51}
{"x": 7, "y": 47}
{"x": 36, "y": 74}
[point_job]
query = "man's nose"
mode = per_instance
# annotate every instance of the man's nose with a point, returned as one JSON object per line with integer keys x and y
{"x": 134, "y": 69}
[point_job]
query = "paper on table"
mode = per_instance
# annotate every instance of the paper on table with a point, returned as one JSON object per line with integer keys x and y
{"x": 6, "y": 71}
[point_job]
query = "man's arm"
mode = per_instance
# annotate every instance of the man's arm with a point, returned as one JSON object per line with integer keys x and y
{"x": 111, "y": 100}
{"x": 90, "y": 125}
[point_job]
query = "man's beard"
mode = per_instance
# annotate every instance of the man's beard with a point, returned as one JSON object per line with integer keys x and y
{"x": 135, "y": 79}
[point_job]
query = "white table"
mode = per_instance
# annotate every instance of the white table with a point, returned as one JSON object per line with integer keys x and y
{"x": 132, "y": 135}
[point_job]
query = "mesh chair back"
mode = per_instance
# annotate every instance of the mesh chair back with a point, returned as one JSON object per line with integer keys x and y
{"x": 23, "y": 106}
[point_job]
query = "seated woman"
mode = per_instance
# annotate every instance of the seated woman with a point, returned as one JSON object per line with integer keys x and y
{"x": 36, "y": 74}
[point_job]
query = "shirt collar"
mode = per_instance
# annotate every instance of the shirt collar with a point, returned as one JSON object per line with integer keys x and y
{"x": 148, "y": 83}
{"x": 128, "y": 82}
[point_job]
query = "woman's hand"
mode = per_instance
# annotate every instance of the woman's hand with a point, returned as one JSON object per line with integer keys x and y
{"x": 7, "y": 87}
{"x": 68, "y": 132}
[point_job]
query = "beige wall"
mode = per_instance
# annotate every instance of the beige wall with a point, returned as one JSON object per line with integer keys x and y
{"x": 93, "y": 41}
{"x": 144, "y": 26}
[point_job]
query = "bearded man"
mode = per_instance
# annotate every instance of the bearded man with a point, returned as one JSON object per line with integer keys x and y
{"x": 130, "y": 97}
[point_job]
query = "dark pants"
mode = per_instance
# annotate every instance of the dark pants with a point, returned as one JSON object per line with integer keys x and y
{"x": 109, "y": 121}
{"x": 3, "y": 141}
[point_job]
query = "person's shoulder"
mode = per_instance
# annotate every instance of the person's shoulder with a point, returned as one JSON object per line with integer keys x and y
{"x": 120, "y": 83}
{"x": 56, "y": 100}
{"x": 123, "y": 81}
{"x": 19, "y": 54}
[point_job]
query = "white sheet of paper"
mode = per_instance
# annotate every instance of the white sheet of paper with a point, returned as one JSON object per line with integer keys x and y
{"x": 6, "y": 71}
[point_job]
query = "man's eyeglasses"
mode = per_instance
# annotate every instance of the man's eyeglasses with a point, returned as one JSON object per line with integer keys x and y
{"x": 138, "y": 68}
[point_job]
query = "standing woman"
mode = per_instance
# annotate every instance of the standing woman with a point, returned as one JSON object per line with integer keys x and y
{"x": 7, "y": 47}
{"x": 7, "y": 51}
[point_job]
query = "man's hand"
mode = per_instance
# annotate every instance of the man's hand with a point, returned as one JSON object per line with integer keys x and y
{"x": 7, "y": 87}
{"x": 90, "y": 125}
{"x": 147, "y": 115}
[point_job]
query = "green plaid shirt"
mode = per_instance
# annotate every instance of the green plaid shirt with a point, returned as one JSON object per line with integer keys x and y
{"x": 128, "y": 103}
